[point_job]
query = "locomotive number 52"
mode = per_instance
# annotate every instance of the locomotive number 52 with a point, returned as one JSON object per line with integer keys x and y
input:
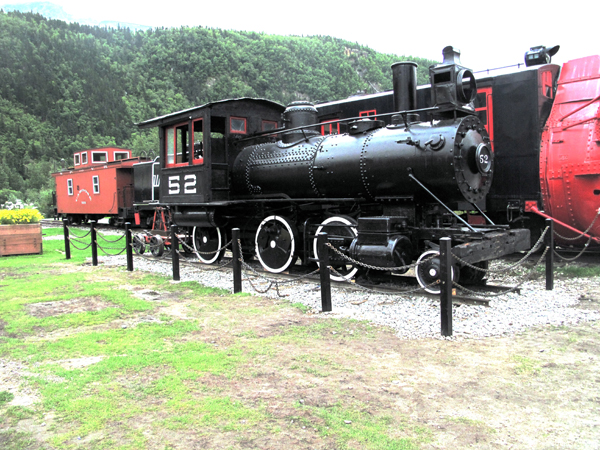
{"x": 189, "y": 184}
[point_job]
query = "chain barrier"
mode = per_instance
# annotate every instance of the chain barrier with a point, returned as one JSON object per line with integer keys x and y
{"x": 368, "y": 266}
{"x": 111, "y": 248}
{"x": 79, "y": 237}
{"x": 272, "y": 282}
{"x": 519, "y": 263}
{"x": 583, "y": 233}
{"x": 514, "y": 288}
{"x": 197, "y": 252}
{"x": 108, "y": 240}
{"x": 78, "y": 241}
{"x": 585, "y": 247}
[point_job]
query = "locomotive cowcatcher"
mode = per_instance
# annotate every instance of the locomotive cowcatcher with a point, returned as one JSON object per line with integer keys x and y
{"x": 385, "y": 194}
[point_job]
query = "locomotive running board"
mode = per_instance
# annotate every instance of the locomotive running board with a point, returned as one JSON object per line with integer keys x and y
{"x": 494, "y": 245}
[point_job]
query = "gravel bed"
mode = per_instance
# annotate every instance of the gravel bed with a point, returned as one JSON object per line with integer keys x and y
{"x": 414, "y": 316}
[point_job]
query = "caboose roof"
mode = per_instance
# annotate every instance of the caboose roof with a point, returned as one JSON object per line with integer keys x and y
{"x": 156, "y": 121}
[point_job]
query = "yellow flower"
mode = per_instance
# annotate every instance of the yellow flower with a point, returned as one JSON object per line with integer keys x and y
{"x": 17, "y": 216}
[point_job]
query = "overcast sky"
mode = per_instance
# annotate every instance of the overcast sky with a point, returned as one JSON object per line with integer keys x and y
{"x": 488, "y": 34}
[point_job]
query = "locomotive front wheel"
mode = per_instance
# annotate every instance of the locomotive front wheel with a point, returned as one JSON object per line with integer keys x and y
{"x": 208, "y": 243}
{"x": 338, "y": 227}
{"x": 276, "y": 243}
{"x": 428, "y": 271}
{"x": 139, "y": 246}
{"x": 157, "y": 246}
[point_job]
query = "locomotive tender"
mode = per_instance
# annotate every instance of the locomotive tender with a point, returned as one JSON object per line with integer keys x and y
{"x": 385, "y": 194}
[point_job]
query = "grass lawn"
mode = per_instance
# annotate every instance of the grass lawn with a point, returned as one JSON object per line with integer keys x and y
{"x": 105, "y": 365}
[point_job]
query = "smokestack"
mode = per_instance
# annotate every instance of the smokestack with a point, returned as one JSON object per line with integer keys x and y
{"x": 405, "y": 85}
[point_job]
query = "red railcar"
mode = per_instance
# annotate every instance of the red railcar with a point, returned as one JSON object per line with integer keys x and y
{"x": 99, "y": 184}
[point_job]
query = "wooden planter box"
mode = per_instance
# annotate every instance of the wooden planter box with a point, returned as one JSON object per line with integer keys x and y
{"x": 20, "y": 239}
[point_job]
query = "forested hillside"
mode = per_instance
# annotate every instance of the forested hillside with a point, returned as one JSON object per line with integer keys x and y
{"x": 65, "y": 87}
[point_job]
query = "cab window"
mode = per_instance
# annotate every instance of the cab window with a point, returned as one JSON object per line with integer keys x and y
{"x": 237, "y": 125}
{"x": 268, "y": 125}
{"x": 176, "y": 145}
{"x": 198, "y": 141}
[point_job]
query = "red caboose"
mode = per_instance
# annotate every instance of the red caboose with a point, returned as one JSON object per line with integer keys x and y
{"x": 98, "y": 185}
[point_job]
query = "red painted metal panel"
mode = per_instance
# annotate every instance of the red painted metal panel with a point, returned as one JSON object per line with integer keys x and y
{"x": 570, "y": 149}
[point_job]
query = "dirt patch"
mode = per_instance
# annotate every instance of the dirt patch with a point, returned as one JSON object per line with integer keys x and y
{"x": 76, "y": 305}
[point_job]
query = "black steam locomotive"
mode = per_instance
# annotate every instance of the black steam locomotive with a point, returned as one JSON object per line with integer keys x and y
{"x": 385, "y": 194}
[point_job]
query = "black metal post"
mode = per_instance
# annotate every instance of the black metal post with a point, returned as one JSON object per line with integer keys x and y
{"x": 550, "y": 255}
{"x": 94, "y": 243}
{"x": 324, "y": 272}
{"x": 128, "y": 246}
{"x": 237, "y": 263}
{"x": 446, "y": 285}
{"x": 175, "y": 252}
{"x": 67, "y": 242}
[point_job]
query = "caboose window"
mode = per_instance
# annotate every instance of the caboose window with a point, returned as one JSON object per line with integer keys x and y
{"x": 198, "y": 140}
{"x": 84, "y": 158}
{"x": 268, "y": 125}
{"x": 99, "y": 157}
{"x": 237, "y": 125}
{"x": 176, "y": 143}
{"x": 96, "y": 184}
{"x": 76, "y": 159}
{"x": 70, "y": 186}
{"x": 371, "y": 112}
{"x": 121, "y": 155}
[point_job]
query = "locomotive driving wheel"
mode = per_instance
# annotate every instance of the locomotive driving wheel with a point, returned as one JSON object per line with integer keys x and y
{"x": 209, "y": 243}
{"x": 341, "y": 229}
{"x": 428, "y": 271}
{"x": 276, "y": 243}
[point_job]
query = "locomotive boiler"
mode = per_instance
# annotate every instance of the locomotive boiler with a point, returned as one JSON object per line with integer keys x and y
{"x": 384, "y": 193}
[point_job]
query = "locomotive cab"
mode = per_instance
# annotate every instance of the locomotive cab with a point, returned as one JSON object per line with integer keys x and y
{"x": 198, "y": 147}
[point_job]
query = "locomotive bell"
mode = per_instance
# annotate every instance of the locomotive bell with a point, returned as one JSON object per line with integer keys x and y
{"x": 453, "y": 86}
